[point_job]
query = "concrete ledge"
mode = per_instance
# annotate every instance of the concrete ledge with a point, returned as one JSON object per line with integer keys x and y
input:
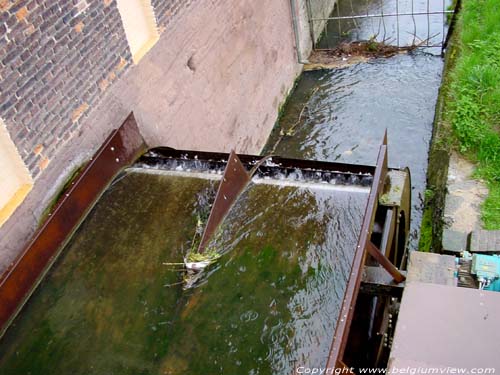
{"x": 441, "y": 327}
{"x": 485, "y": 241}
{"x": 431, "y": 268}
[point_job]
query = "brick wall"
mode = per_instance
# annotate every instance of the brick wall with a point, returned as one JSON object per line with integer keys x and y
{"x": 56, "y": 59}
{"x": 165, "y": 10}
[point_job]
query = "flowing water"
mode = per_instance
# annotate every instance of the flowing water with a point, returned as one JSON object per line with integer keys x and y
{"x": 111, "y": 306}
{"x": 341, "y": 114}
{"x": 346, "y": 111}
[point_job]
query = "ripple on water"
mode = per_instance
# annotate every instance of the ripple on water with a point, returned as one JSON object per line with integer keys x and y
{"x": 348, "y": 110}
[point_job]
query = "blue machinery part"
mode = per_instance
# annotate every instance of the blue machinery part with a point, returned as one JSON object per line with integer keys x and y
{"x": 487, "y": 270}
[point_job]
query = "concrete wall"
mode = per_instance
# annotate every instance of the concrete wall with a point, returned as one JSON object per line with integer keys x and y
{"x": 320, "y": 9}
{"x": 303, "y": 11}
{"x": 213, "y": 81}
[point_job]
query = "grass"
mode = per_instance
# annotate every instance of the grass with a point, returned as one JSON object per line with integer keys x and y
{"x": 474, "y": 108}
{"x": 425, "y": 242}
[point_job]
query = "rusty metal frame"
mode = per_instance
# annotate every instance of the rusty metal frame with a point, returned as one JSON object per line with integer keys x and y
{"x": 122, "y": 147}
{"x": 342, "y": 329}
{"x": 233, "y": 182}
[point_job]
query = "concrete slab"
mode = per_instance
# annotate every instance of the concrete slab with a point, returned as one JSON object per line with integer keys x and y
{"x": 442, "y": 327}
{"x": 485, "y": 240}
{"x": 431, "y": 268}
{"x": 465, "y": 195}
{"x": 455, "y": 241}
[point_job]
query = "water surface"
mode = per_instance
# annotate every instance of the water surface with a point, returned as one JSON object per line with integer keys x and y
{"x": 346, "y": 111}
{"x": 110, "y": 305}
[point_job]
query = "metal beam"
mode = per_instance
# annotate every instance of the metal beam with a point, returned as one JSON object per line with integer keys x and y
{"x": 347, "y": 310}
{"x": 384, "y": 262}
{"x": 382, "y": 15}
{"x": 121, "y": 148}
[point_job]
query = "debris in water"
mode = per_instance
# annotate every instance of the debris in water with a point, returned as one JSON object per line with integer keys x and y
{"x": 348, "y": 53}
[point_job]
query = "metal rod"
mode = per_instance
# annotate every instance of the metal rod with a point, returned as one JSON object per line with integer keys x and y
{"x": 428, "y": 23}
{"x": 381, "y": 15}
{"x": 414, "y": 23}
{"x": 444, "y": 22}
{"x": 338, "y": 15}
{"x": 397, "y": 21}
{"x": 383, "y": 20}
{"x": 384, "y": 262}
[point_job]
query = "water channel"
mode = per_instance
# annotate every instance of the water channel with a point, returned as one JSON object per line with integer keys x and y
{"x": 110, "y": 304}
{"x": 341, "y": 114}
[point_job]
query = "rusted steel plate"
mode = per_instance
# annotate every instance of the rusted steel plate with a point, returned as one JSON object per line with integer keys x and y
{"x": 234, "y": 180}
{"x": 347, "y": 311}
{"x": 120, "y": 149}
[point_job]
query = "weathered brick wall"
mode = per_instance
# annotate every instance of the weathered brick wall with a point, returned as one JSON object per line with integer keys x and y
{"x": 56, "y": 59}
{"x": 165, "y": 10}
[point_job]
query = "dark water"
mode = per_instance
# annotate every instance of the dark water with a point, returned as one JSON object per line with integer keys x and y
{"x": 346, "y": 112}
{"x": 110, "y": 306}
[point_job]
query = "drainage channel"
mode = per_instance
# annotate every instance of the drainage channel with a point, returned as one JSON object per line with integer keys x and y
{"x": 340, "y": 114}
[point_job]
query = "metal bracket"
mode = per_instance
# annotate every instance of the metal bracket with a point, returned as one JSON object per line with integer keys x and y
{"x": 234, "y": 180}
{"x": 377, "y": 281}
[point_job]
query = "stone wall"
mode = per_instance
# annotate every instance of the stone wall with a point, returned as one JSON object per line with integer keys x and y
{"x": 304, "y": 11}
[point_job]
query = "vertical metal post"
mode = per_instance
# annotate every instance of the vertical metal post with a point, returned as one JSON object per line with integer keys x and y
{"x": 311, "y": 23}
{"x": 428, "y": 23}
{"x": 414, "y": 23}
{"x": 444, "y": 22}
{"x": 293, "y": 8}
{"x": 397, "y": 21}
{"x": 338, "y": 15}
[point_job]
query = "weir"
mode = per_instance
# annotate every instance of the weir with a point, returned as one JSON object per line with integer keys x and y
{"x": 292, "y": 250}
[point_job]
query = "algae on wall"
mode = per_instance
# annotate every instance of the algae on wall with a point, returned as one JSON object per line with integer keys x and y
{"x": 439, "y": 158}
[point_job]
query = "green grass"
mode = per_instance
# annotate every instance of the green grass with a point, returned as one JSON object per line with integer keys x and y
{"x": 426, "y": 233}
{"x": 474, "y": 108}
